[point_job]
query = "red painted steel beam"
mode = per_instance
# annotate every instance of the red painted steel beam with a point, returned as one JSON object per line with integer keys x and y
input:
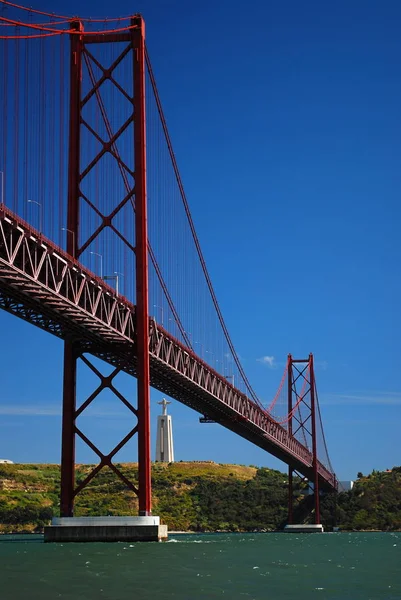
{"x": 314, "y": 442}
{"x": 289, "y": 407}
{"x": 141, "y": 262}
{"x": 68, "y": 432}
{"x": 74, "y": 141}
{"x": 101, "y": 38}
{"x": 70, "y": 358}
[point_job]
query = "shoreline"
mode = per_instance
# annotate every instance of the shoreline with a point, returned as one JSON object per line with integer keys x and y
{"x": 190, "y": 532}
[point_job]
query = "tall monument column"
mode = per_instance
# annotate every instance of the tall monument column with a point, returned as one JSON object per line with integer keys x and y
{"x": 164, "y": 440}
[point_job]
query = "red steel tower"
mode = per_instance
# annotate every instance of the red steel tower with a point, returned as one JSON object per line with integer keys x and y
{"x": 134, "y": 50}
{"x": 301, "y": 394}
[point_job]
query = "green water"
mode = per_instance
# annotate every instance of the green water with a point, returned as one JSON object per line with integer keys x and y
{"x": 260, "y": 566}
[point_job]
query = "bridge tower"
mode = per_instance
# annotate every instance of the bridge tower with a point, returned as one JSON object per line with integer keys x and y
{"x": 302, "y": 422}
{"x": 86, "y": 87}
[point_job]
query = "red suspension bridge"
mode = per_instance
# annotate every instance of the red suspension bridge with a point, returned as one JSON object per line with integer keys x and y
{"x": 96, "y": 237}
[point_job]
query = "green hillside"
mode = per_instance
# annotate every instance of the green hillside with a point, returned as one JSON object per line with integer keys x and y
{"x": 373, "y": 504}
{"x": 197, "y": 496}
{"x": 201, "y": 496}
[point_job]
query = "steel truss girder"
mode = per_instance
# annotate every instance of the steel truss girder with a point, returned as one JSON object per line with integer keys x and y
{"x": 35, "y": 268}
{"x": 43, "y": 285}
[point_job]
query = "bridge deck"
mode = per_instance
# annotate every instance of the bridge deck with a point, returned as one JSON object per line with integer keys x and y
{"x": 43, "y": 285}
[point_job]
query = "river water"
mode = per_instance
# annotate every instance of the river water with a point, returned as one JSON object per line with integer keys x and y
{"x": 190, "y": 567}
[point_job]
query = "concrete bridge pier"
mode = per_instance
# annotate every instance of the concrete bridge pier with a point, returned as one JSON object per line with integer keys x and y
{"x": 106, "y": 529}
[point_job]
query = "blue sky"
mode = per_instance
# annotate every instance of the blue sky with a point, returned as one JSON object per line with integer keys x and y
{"x": 286, "y": 122}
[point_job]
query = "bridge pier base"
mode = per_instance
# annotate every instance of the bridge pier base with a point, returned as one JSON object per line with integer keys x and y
{"x": 304, "y": 528}
{"x": 105, "y": 529}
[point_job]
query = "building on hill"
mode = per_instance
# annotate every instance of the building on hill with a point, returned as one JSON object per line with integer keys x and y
{"x": 345, "y": 486}
{"x": 5, "y": 461}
